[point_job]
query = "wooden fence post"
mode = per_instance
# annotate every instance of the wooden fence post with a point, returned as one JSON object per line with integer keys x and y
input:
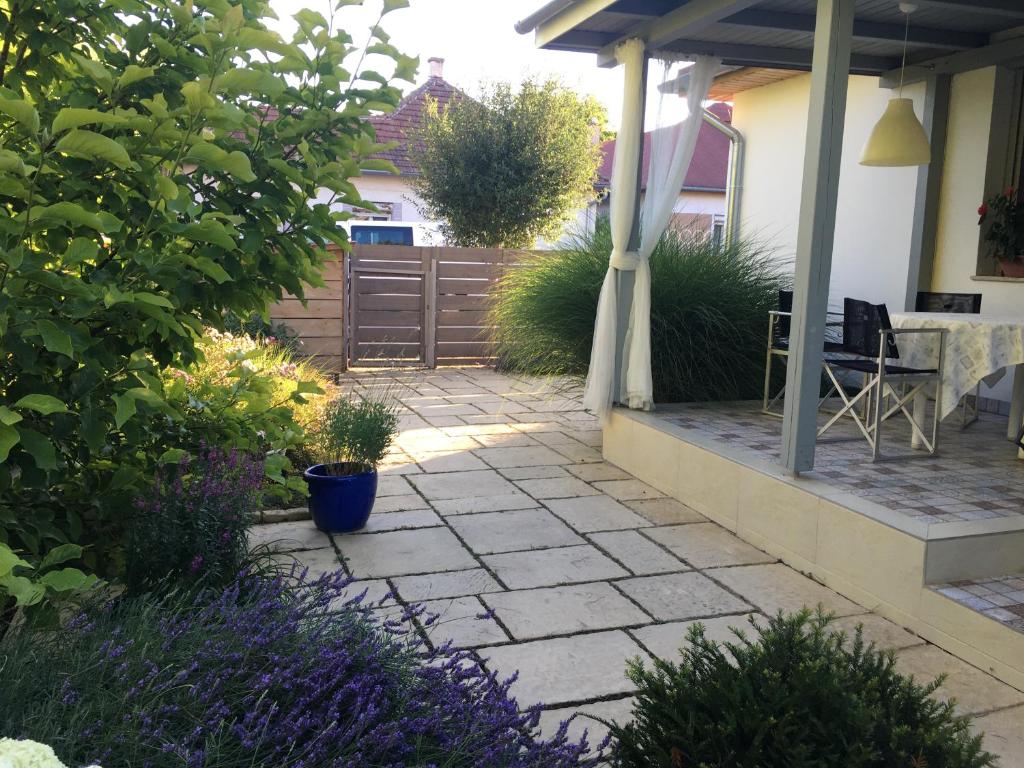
{"x": 430, "y": 308}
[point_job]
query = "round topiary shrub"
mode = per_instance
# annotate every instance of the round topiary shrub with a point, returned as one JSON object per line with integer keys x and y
{"x": 796, "y": 694}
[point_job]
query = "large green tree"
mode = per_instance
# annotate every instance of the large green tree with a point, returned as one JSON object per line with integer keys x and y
{"x": 511, "y": 166}
{"x": 158, "y": 166}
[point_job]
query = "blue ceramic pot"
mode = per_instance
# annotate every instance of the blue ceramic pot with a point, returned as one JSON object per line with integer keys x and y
{"x": 340, "y": 503}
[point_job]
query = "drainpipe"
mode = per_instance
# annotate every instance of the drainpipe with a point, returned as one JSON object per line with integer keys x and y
{"x": 734, "y": 178}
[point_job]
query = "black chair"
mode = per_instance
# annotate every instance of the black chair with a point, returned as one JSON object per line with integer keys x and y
{"x": 870, "y": 338}
{"x": 779, "y": 325}
{"x": 961, "y": 304}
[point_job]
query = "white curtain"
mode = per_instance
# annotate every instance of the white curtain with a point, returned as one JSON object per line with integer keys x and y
{"x": 672, "y": 148}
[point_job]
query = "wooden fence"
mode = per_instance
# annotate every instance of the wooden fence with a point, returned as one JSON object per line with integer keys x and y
{"x": 401, "y": 305}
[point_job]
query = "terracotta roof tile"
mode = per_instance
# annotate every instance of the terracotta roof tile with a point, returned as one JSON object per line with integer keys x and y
{"x": 710, "y": 164}
{"x": 408, "y": 116}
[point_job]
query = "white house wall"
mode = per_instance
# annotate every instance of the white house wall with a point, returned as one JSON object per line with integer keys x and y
{"x": 385, "y": 188}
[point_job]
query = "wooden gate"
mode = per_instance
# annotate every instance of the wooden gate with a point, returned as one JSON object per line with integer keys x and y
{"x": 388, "y": 308}
{"x": 410, "y": 305}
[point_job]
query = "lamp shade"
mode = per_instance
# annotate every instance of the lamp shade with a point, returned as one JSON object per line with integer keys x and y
{"x": 898, "y": 138}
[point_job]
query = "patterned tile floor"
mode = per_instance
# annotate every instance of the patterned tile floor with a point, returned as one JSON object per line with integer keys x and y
{"x": 976, "y": 476}
{"x": 1001, "y": 599}
{"x": 496, "y": 511}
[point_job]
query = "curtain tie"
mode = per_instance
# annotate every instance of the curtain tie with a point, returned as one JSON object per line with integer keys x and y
{"x": 626, "y": 261}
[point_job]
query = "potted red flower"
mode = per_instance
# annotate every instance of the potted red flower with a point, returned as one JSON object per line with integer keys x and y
{"x": 1004, "y": 215}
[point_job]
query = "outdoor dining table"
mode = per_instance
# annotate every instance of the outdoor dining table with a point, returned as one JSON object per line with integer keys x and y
{"x": 978, "y": 348}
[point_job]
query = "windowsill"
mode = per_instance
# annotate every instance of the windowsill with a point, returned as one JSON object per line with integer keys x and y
{"x": 996, "y": 279}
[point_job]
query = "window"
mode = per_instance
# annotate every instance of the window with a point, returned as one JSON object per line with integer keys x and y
{"x": 718, "y": 230}
{"x": 384, "y": 212}
{"x": 367, "y": 234}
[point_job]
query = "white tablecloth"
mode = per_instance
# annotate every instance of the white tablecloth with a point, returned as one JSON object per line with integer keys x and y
{"x": 978, "y": 347}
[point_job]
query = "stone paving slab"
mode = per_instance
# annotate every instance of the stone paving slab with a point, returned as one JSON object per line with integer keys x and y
{"x": 628, "y": 490}
{"x": 777, "y": 587}
{"x": 395, "y": 521}
{"x": 525, "y": 456}
{"x": 491, "y": 532}
{"x": 973, "y": 690}
{"x": 432, "y": 586}
{"x": 665, "y": 511}
{"x": 461, "y": 620}
{"x": 617, "y": 711}
{"x": 534, "y": 613}
{"x": 681, "y": 596}
{"x": 706, "y": 545}
{"x": 400, "y": 503}
{"x": 399, "y": 553}
{"x": 665, "y": 640}
{"x": 1004, "y": 735}
{"x": 548, "y": 567}
{"x": 288, "y": 537}
{"x": 566, "y": 670}
{"x": 491, "y": 503}
{"x": 595, "y": 513}
{"x": 882, "y": 632}
{"x": 636, "y": 552}
{"x": 557, "y": 488}
{"x": 462, "y": 485}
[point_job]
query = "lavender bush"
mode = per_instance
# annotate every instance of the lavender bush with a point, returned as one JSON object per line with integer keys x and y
{"x": 191, "y": 526}
{"x": 267, "y": 673}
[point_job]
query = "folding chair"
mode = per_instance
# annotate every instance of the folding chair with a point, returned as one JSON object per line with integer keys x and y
{"x": 779, "y": 324}
{"x": 963, "y": 304}
{"x": 868, "y": 333}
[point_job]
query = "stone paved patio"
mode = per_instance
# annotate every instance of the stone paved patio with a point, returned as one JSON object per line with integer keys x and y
{"x": 496, "y": 510}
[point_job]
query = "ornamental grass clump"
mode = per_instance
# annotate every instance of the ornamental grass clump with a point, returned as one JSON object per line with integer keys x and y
{"x": 267, "y": 673}
{"x": 191, "y": 526}
{"x": 794, "y": 695}
{"x": 709, "y": 313}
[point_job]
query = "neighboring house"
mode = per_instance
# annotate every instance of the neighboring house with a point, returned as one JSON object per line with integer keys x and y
{"x": 702, "y": 200}
{"x": 874, "y": 256}
{"x": 393, "y": 195}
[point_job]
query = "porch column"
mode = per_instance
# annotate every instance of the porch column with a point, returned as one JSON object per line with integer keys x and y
{"x": 830, "y": 71}
{"x": 626, "y": 278}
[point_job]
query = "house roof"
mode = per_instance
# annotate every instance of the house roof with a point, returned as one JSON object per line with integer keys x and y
{"x": 402, "y": 124}
{"x": 944, "y": 36}
{"x": 709, "y": 167}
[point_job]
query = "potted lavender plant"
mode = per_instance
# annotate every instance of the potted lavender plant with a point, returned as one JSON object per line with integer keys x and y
{"x": 1004, "y": 214}
{"x": 350, "y": 440}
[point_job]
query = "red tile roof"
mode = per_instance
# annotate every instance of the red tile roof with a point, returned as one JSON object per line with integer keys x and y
{"x": 408, "y": 116}
{"x": 710, "y": 164}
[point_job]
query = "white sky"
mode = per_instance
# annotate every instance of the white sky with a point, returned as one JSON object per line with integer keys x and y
{"x": 477, "y": 40}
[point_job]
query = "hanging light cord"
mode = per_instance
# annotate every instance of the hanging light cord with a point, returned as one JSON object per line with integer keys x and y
{"x": 903, "y": 63}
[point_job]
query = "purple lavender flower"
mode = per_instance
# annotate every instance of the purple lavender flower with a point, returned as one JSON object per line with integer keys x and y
{"x": 270, "y": 672}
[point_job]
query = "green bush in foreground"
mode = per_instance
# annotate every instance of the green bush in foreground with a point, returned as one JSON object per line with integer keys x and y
{"x": 709, "y": 309}
{"x": 796, "y": 695}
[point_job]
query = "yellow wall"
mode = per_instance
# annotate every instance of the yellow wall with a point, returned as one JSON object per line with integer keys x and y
{"x": 876, "y": 205}
{"x": 963, "y": 182}
{"x": 872, "y": 242}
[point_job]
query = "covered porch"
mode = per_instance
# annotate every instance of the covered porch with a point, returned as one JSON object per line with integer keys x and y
{"x": 926, "y": 542}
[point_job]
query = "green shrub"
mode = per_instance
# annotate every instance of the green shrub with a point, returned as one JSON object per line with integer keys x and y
{"x": 709, "y": 308}
{"x": 159, "y": 165}
{"x": 256, "y": 327}
{"x": 796, "y": 695}
{"x": 355, "y": 434}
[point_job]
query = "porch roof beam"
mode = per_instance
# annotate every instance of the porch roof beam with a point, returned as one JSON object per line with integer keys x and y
{"x": 685, "y": 20}
{"x": 551, "y": 29}
{"x": 1008, "y": 52}
{"x": 733, "y": 54}
{"x": 802, "y": 22}
{"x": 1011, "y": 8}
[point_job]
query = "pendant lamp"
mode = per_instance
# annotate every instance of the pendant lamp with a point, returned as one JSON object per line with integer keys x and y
{"x": 898, "y": 138}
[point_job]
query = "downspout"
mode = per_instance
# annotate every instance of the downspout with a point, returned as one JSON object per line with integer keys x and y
{"x": 734, "y": 177}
